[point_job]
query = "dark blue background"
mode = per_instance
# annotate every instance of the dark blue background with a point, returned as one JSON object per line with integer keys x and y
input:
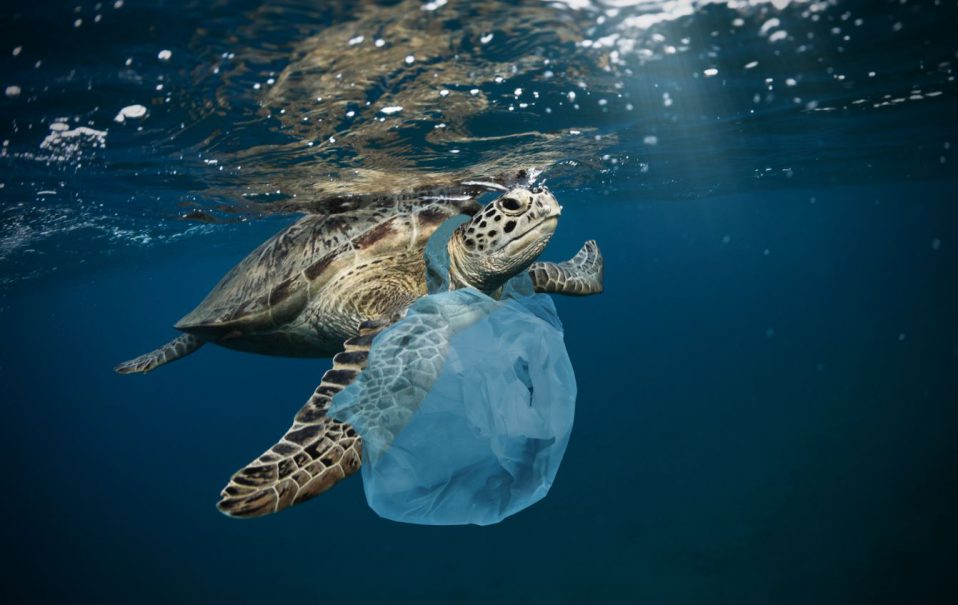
{"x": 750, "y": 427}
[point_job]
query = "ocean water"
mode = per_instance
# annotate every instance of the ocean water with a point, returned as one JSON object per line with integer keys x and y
{"x": 767, "y": 389}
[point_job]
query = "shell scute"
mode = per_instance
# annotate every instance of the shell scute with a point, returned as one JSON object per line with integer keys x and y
{"x": 270, "y": 286}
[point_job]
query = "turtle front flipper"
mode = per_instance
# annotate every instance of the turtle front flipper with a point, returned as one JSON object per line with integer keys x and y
{"x": 314, "y": 454}
{"x": 582, "y": 275}
{"x": 181, "y": 346}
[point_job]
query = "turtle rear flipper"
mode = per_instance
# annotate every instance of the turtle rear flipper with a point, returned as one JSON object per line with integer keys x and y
{"x": 582, "y": 275}
{"x": 315, "y": 453}
{"x": 181, "y": 346}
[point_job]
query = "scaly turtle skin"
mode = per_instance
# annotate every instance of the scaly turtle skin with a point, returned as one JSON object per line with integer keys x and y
{"x": 329, "y": 284}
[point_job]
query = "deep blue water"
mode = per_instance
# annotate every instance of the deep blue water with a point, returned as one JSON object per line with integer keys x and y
{"x": 768, "y": 386}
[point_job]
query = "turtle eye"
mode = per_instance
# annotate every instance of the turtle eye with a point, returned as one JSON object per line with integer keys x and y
{"x": 510, "y": 203}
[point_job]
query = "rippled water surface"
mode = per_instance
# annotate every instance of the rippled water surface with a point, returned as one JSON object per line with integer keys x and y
{"x": 253, "y": 108}
{"x": 767, "y": 387}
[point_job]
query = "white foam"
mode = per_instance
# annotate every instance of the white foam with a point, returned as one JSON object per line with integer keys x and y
{"x": 164, "y": 55}
{"x": 391, "y": 109}
{"x": 12, "y": 91}
{"x": 64, "y": 143}
{"x": 768, "y": 26}
{"x": 650, "y": 13}
{"x": 131, "y": 112}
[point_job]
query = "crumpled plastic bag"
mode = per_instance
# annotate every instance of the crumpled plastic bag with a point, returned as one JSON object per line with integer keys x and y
{"x": 465, "y": 407}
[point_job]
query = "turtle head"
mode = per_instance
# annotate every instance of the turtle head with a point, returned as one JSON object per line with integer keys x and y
{"x": 502, "y": 239}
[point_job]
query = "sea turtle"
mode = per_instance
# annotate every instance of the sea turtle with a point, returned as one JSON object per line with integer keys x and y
{"x": 326, "y": 285}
